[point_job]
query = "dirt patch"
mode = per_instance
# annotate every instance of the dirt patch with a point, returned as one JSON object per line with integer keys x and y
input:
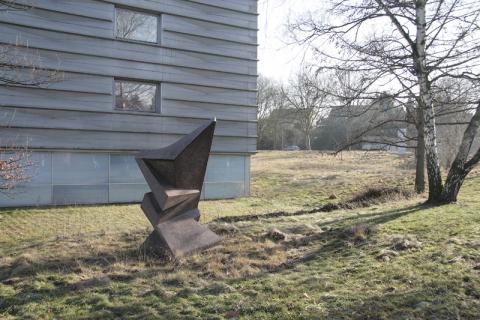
{"x": 359, "y": 233}
{"x": 401, "y": 243}
{"x": 374, "y": 196}
{"x": 275, "y": 235}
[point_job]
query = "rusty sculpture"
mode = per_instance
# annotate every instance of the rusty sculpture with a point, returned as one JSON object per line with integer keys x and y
{"x": 175, "y": 175}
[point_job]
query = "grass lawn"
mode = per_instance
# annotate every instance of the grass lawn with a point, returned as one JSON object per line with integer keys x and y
{"x": 398, "y": 260}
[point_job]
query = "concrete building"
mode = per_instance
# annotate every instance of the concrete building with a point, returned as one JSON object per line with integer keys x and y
{"x": 132, "y": 75}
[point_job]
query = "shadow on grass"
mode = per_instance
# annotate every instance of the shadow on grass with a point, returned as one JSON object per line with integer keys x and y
{"x": 333, "y": 243}
{"x": 56, "y": 272}
{"x": 361, "y": 201}
{"x": 418, "y": 303}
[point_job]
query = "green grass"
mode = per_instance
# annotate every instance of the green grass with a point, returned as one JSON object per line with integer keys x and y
{"x": 399, "y": 260}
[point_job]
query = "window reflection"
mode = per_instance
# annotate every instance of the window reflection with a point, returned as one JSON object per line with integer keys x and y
{"x": 135, "y": 96}
{"x": 136, "y": 25}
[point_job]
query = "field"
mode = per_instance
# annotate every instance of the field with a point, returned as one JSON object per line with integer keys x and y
{"x": 392, "y": 259}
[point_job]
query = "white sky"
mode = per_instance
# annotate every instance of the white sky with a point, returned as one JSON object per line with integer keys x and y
{"x": 278, "y": 58}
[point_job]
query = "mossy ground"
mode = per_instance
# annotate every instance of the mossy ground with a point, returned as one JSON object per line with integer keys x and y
{"x": 399, "y": 260}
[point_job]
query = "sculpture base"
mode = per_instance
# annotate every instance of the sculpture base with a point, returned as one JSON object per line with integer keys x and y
{"x": 180, "y": 237}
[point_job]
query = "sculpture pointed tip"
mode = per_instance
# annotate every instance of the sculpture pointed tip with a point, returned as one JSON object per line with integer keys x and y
{"x": 214, "y": 119}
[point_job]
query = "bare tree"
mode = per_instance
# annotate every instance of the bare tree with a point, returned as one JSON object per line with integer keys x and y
{"x": 15, "y": 168}
{"x": 307, "y": 94}
{"x": 19, "y": 66}
{"x": 419, "y": 43}
{"x": 13, "y": 5}
{"x": 270, "y": 100}
{"x": 133, "y": 25}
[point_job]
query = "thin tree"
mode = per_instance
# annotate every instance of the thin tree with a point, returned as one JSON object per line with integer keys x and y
{"x": 19, "y": 66}
{"x": 12, "y": 5}
{"x": 307, "y": 94}
{"x": 269, "y": 99}
{"x": 406, "y": 47}
{"x": 16, "y": 168}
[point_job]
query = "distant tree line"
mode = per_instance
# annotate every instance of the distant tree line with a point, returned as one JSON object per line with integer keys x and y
{"x": 306, "y": 113}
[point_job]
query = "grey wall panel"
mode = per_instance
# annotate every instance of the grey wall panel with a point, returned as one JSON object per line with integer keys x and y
{"x": 226, "y": 177}
{"x": 40, "y": 98}
{"x": 94, "y": 140}
{"x": 60, "y": 119}
{"x": 41, "y": 168}
{"x": 224, "y": 190}
{"x": 124, "y": 170}
{"x": 194, "y": 10}
{"x": 218, "y": 47}
{"x": 226, "y": 168}
{"x": 45, "y": 98}
{"x": 124, "y": 184}
{"x": 39, "y": 18}
{"x": 138, "y": 70}
{"x": 77, "y": 82}
{"x": 75, "y": 194}
{"x": 170, "y": 108}
{"x": 31, "y": 195}
{"x": 34, "y": 97}
{"x": 75, "y": 101}
{"x": 126, "y": 193}
{"x": 249, "y": 6}
{"x": 208, "y": 29}
{"x": 237, "y": 12}
{"x": 80, "y": 168}
{"x": 49, "y": 40}
{"x": 208, "y": 110}
{"x": 208, "y": 94}
{"x": 247, "y": 179}
{"x": 225, "y": 144}
{"x": 63, "y": 81}
{"x": 86, "y": 8}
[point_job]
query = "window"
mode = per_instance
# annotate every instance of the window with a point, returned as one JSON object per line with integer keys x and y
{"x": 137, "y": 26}
{"x": 135, "y": 96}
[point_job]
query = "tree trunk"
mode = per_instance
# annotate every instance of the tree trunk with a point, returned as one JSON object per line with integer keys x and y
{"x": 420, "y": 154}
{"x": 426, "y": 103}
{"x": 275, "y": 136}
{"x": 308, "y": 144}
{"x": 435, "y": 186}
{"x": 420, "y": 160}
{"x": 453, "y": 185}
{"x": 461, "y": 167}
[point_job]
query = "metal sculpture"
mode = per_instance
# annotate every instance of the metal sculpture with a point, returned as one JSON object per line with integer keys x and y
{"x": 175, "y": 175}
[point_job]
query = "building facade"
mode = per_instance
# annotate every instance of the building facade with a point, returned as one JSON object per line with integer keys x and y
{"x": 127, "y": 75}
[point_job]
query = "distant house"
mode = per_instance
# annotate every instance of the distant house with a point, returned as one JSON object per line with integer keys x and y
{"x": 376, "y": 126}
{"x": 383, "y": 123}
{"x": 134, "y": 75}
{"x": 396, "y": 146}
{"x": 450, "y": 136}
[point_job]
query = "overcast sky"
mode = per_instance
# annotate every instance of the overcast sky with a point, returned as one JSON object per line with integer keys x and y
{"x": 278, "y": 58}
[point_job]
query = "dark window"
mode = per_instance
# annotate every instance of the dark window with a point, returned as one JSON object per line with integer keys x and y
{"x": 135, "y": 25}
{"x": 135, "y": 96}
